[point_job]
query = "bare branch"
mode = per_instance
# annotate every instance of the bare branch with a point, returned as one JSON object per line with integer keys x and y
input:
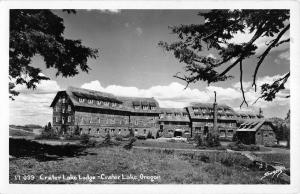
{"x": 242, "y": 88}
{"x": 253, "y": 39}
{"x": 266, "y": 52}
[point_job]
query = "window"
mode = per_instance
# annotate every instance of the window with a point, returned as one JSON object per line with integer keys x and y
{"x": 63, "y": 110}
{"x": 124, "y": 129}
{"x": 105, "y": 130}
{"x": 63, "y": 100}
{"x": 63, "y": 121}
{"x": 69, "y": 107}
{"x": 145, "y": 107}
{"x": 145, "y": 131}
{"x": 106, "y": 103}
{"x": 169, "y": 114}
{"x": 136, "y": 107}
{"x": 90, "y": 101}
{"x": 185, "y": 115}
{"x": 177, "y": 115}
{"x": 152, "y": 107}
{"x": 112, "y": 121}
{"x": 136, "y": 122}
{"x": 81, "y": 100}
{"x": 99, "y": 120}
{"x": 69, "y": 119}
{"x": 90, "y": 130}
{"x": 135, "y": 130}
{"x": 57, "y": 119}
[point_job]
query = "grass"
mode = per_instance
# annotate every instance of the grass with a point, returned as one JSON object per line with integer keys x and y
{"x": 19, "y": 132}
{"x": 157, "y": 144}
{"x": 163, "y": 167}
{"x": 283, "y": 158}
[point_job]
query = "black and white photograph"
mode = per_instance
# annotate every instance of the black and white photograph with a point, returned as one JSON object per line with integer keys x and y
{"x": 151, "y": 96}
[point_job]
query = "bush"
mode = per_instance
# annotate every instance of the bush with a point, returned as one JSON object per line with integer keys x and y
{"x": 242, "y": 147}
{"x": 49, "y": 134}
{"x": 84, "y": 139}
{"x": 119, "y": 138}
{"x": 204, "y": 158}
{"x": 149, "y": 135}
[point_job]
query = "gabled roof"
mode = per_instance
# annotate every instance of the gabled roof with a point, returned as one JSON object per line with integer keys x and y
{"x": 252, "y": 125}
{"x": 123, "y": 103}
{"x": 172, "y": 118}
{"x": 203, "y": 111}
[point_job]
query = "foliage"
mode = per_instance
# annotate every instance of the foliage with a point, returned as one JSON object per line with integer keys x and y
{"x": 237, "y": 146}
{"x": 119, "y": 138}
{"x": 216, "y": 34}
{"x": 129, "y": 145}
{"x": 47, "y": 134}
{"x": 40, "y": 32}
{"x": 149, "y": 135}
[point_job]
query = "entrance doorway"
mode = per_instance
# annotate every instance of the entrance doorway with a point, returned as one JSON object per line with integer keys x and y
{"x": 178, "y": 132}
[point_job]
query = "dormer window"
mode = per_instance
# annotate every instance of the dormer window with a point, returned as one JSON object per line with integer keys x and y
{"x": 136, "y": 107}
{"x": 113, "y": 104}
{"x": 169, "y": 114}
{"x": 69, "y": 107}
{"x": 185, "y": 115}
{"x": 161, "y": 115}
{"x": 81, "y": 100}
{"x": 63, "y": 100}
{"x": 106, "y": 103}
{"x": 145, "y": 107}
{"x": 177, "y": 115}
{"x": 90, "y": 101}
{"x": 98, "y": 102}
{"x": 152, "y": 107}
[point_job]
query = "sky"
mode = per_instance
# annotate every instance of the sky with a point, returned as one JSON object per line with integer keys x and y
{"x": 131, "y": 63}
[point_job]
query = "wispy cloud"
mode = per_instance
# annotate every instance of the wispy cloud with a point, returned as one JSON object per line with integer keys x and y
{"x": 139, "y": 31}
{"x": 109, "y": 11}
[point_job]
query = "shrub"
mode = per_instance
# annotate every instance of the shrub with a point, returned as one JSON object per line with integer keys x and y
{"x": 84, "y": 139}
{"x": 149, "y": 135}
{"x": 204, "y": 158}
{"x": 49, "y": 134}
{"x": 242, "y": 147}
{"x": 129, "y": 145}
{"x": 119, "y": 138}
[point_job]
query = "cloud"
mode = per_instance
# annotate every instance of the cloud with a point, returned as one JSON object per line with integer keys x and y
{"x": 108, "y": 11}
{"x": 261, "y": 42}
{"x": 174, "y": 94}
{"x": 139, "y": 31}
{"x": 33, "y": 106}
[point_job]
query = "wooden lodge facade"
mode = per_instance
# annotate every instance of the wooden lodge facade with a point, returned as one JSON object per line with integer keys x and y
{"x": 97, "y": 113}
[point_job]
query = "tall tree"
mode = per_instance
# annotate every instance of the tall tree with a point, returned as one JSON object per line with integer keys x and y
{"x": 40, "y": 32}
{"x": 217, "y": 32}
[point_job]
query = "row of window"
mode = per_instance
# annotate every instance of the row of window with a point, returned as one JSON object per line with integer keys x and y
{"x": 175, "y": 114}
{"x": 99, "y": 102}
{"x": 63, "y": 109}
{"x": 63, "y": 121}
{"x": 144, "y": 107}
{"x": 111, "y": 130}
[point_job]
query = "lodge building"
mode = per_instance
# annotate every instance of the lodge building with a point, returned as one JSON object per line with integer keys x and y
{"x": 97, "y": 113}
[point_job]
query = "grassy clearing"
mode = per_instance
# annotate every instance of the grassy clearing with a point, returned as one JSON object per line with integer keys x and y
{"x": 163, "y": 167}
{"x": 19, "y": 132}
{"x": 157, "y": 144}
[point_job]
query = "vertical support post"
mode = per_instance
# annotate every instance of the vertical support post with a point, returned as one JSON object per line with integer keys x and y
{"x": 215, "y": 107}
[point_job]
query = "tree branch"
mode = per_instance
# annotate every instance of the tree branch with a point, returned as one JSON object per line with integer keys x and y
{"x": 242, "y": 88}
{"x": 266, "y": 52}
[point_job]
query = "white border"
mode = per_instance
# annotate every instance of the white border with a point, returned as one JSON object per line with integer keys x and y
{"x": 295, "y": 80}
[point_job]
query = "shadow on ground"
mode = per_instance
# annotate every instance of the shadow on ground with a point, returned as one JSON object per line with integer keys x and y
{"x": 20, "y": 148}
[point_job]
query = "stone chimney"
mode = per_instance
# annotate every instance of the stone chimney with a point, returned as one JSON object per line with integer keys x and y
{"x": 215, "y": 107}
